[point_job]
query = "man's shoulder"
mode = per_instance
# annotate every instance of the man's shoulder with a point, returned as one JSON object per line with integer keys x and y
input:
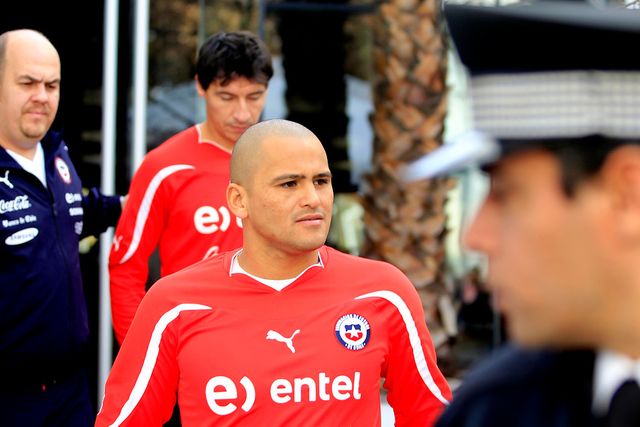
{"x": 359, "y": 263}
{"x": 169, "y": 155}
{"x": 201, "y": 273}
{"x": 188, "y": 134}
{"x": 513, "y": 383}
{"x": 175, "y": 144}
{"x": 363, "y": 275}
{"x": 195, "y": 287}
{"x": 52, "y": 142}
{"x": 508, "y": 366}
{"x": 513, "y": 366}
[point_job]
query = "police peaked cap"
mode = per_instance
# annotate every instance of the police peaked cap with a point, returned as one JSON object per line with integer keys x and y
{"x": 541, "y": 71}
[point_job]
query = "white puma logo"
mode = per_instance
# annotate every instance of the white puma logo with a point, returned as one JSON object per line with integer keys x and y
{"x": 273, "y": 335}
{"x": 5, "y": 180}
{"x": 116, "y": 243}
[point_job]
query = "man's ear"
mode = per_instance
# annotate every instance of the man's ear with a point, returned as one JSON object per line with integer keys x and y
{"x": 621, "y": 173}
{"x": 237, "y": 200}
{"x": 201, "y": 91}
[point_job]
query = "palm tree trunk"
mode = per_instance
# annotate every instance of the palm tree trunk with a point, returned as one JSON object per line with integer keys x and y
{"x": 406, "y": 224}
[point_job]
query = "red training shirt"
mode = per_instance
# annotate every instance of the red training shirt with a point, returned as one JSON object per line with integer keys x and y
{"x": 238, "y": 352}
{"x": 177, "y": 201}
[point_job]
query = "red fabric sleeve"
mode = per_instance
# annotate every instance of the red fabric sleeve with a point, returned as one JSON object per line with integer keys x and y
{"x": 143, "y": 383}
{"x": 417, "y": 390}
{"x": 136, "y": 237}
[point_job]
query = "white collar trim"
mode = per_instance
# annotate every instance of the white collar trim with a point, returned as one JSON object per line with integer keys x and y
{"x": 201, "y": 140}
{"x": 277, "y": 284}
{"x": 36, "y": 166}
{"x": 610, "y": 371}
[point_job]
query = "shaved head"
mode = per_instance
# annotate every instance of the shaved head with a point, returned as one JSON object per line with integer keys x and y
{"x": 281, "y": 190}
{"x": 21, "y": 36}
{"x": 247, "y": 151}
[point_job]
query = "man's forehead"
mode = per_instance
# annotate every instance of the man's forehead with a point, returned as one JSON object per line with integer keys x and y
{"x": 35, "y": 62}
{"x": 293, "y": 155}
{"x": 237, "y": 83}
{"x": 38, "y": 75}
{"x": 35, "y": 72}
{"x": 294, "y": 174}
{"x": 527, "y": 163}
{"x": 279, "y": 143}
{"x": 282, "y": 160}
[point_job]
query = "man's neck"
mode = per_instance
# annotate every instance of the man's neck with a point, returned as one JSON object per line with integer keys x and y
{"x": 626, "y": 343}
{"x": 618, "y": 325}
{"x": 207, "y": 135}
{"x": 25, "y": 149}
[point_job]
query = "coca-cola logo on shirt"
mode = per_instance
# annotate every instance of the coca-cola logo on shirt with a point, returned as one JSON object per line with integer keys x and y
{"x": 18, "y": 204}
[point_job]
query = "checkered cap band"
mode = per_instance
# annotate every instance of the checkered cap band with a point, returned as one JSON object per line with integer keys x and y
{"x": 563, "y": 104}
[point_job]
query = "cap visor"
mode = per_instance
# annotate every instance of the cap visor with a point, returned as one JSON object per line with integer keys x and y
{"x": 467, "y": 150}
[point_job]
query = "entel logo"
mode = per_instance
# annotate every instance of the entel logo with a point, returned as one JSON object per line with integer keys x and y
{"x": 282, "y": 391}
{"x": 208, "y": 219}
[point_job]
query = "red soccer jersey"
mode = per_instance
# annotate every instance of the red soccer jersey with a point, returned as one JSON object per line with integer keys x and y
{"x": 238, "y": 352}
{"x": 177, "y": 202}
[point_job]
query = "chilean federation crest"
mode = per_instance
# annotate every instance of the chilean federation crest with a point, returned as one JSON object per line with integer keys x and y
{"x": 63, "y": 170}
{"x": 353, "y": 331}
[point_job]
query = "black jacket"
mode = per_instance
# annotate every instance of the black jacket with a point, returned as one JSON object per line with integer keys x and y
{"x": 518, "y": 388}
{"x": 43, "y": 315}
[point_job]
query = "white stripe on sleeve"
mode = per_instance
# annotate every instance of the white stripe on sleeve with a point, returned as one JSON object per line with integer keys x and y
{"x": 151, "y": 358}
{"x": 414, "y": 339}
{"x": 145, "y": 206}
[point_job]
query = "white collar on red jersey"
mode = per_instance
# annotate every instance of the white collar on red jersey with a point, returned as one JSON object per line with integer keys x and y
{"x": 276, "y": 284}
{"x": 201, "y": 140}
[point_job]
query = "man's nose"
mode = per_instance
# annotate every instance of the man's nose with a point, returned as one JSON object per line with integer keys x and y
{"x": 480, "y": 234}
{"x": 242, "y": 113}
{"x": 40, "y": 93}
{"x": 311, "y": 197}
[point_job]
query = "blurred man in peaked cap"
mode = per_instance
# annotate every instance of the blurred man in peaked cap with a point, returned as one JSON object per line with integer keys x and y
{"x": 556, "y": 97}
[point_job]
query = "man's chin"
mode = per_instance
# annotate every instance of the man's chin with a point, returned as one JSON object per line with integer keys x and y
{"x": 530, "y": 337}
{"x": 29, "y": 141}
{"x": 35, "y": 134}
{"x": 235, "y": 132}
{"x": 309, "y": 246}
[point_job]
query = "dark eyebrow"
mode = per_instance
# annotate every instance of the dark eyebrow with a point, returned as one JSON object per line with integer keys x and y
{"x": 226, "y": 92}
{"x": 293, "y": 176}
{"x": 324, "y": 175}
{"x": 286, "y": 177}
{"x": 33, "y": 79}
